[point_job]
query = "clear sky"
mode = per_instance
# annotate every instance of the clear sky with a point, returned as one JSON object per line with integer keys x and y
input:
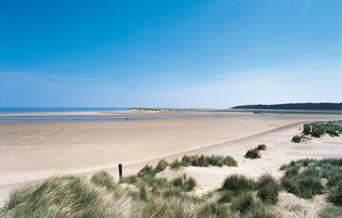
{"x": 176, "y": 53}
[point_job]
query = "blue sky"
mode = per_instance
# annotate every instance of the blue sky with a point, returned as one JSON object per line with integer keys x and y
{"x": 199, "y": 53}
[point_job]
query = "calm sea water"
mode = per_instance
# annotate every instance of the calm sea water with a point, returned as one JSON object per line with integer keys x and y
{"x": 75, "y": 118}
{"x": 57, "y": 109}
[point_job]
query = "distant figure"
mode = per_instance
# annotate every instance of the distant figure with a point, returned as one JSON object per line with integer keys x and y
{"x": 126, "y": 119}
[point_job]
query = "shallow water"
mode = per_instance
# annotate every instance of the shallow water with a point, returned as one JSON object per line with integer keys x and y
{"x": 57, "y": 109}
{"x": 40, "y": 119}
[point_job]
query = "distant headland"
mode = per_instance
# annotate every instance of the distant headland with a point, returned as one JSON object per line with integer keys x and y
{"x": 293, "y": 106}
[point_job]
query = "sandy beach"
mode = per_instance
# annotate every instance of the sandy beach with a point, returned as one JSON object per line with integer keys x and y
{"x": 34, "y": 151}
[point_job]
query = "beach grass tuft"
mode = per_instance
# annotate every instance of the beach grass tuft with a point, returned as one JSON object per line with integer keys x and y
{"x": 161, "y": 166}
{"x": 259, "y": 210}
{"x": 318, "y": 129}
{"x": 103, "y": 179}
{"x": 268, "y": 189}
{"x": 330, "y": 212}
{"x": 304, "y": 177}
{"x": 67, "y": 196}
{"x": 242, "y": 202}
{"x": 237, "y": 183}
{"x": 203, "y": 161}
{"x": 335, "y": 194}
{"x": 299, "y": 138}
{"x": 252, "y": 153}
{"x": 261, "y": 147}
{"x": 184, "y": 183}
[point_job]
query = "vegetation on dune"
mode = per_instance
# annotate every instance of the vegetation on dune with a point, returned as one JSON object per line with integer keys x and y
{"x": 304, "y": 178}
{"x": 237, "y": 183}
{"x": 146, "y": 178}
{"x": 203, "y": 161}
{"x": 238, "y": 191}
{"x": 299, "y": 138}
{"x": 261, "y": 147}
{"x": 331, "y": 212}
{"x": 132, "y": 179}
{"x": 151, "y": 196}
{"x": 254, "y": 153}
{"x": 186, "y": 184}
{"x": 183, "y": 206}
{"x": 226, "y": 196}
{"x": 176, "y": 164}
{"x": 335, "y": 194}
{"x": 161, "y": 166}
{"x": 63, "y": 197}
{"x": 103, "y": 179}
{"x": 268, "y": 189}
{"x": 242, "y": 202}
{"x": 259, "y": 210}
{"x": 147, "y": 171}
{"x": 318, "y": 129}
{"x": 195, "y": 160}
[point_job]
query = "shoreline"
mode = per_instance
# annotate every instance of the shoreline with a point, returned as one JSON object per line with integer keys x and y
{"x": 163, "y": 111}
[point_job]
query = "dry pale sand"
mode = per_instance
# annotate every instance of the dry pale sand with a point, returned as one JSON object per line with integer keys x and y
{"x": 280, "y": 150}
{"x": 36, "y": 151}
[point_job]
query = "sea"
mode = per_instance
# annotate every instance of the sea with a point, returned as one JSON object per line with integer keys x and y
{"x": 8, "y": 110}
{"x": 75, "y": 118}
{"x": 40, "y": 119}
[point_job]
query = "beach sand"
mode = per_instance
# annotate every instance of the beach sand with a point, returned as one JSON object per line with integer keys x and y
{"x": 36, "y": 151}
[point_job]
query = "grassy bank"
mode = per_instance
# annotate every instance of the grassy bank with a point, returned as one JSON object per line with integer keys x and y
{"x": 319, "y": 129}
{"x": 146, "y": 194}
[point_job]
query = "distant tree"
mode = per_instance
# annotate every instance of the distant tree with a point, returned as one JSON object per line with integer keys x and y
{"x": 294, "y": 106}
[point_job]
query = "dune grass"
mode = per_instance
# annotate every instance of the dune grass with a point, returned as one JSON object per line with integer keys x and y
{"x": 63, "y": 197}
{"x": 103, "y": 179}
{"x": 238, "y": 183}
{"x": 266, "y": 186}
{"x": 186, "y": 184}
{"x": 259, "y": 210}
{"x": 262, "y": 147}
{"x": 318, "y": 129}
{"x": 299, "y": 138}
{"x": 203, "y": 161}
{"x": 242, "y": 202}
{"x": 152, "y": 197}
{"x": 331, "y": 212}
{"x": 146, "y": 177}
{"x": 250, "y": 198}
{"x": 304, "y": 178}
{"x": 161, "y": 166}
{"x": 254, "y": 153}
{"x": 335, "y": 194}
{"x": 268, "y": 189}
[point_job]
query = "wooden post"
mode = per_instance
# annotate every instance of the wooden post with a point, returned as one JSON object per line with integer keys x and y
{"x": 120, "y": 171}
